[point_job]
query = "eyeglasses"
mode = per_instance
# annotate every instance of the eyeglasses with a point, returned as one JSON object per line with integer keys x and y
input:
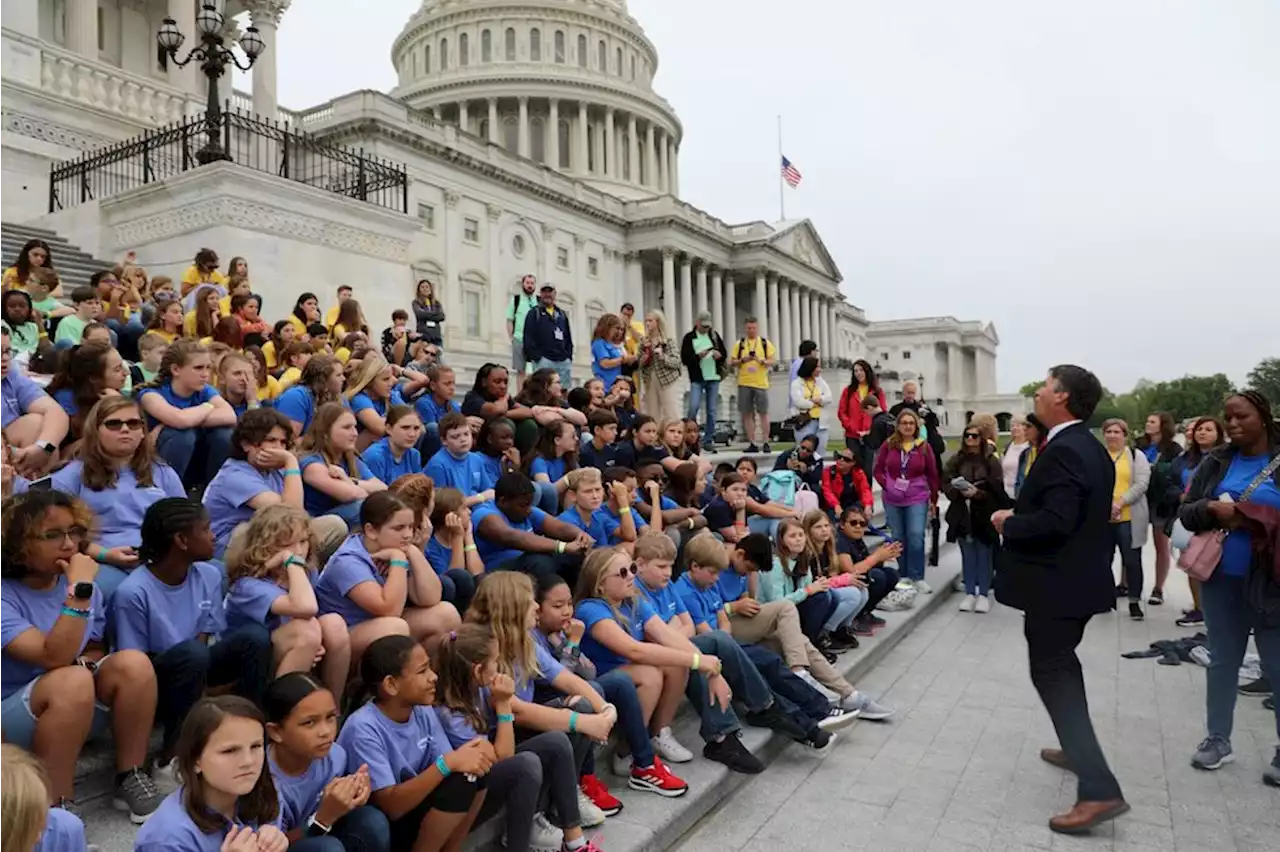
{"x": 853, "y": 523}
{"x": 76, "y": 535}
{"x": 133, "y": 424}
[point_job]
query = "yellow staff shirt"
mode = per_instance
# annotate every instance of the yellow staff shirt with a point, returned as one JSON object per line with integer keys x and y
{"x": 754, "y": 374}
{"x": 1124, "y": 478}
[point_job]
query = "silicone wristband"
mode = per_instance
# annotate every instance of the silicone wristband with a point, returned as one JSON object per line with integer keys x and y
{"x": 469, "y": 548}
{"x": 506, "y": 718}
{"x": 443, "y": 767}
{"x": 697, "y": 662}
{"x": 75, "y": 613}
{"x": 573, "y": 722}
{"x": 398, "y": 563}
{"x": 728, "y": 609}
{"x": 102, "y": 555}
{"x": 571, "y": 645}
{"x": 559, "y": 547}
{"x": 291, "y": 471}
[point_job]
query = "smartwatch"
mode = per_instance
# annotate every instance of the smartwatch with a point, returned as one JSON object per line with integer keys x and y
{"x": 47, "y": 446}
{"x": 315, "y": 828}
{"x": 82, "y": 591}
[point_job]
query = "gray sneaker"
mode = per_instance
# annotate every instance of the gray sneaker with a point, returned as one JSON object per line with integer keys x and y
{"x": 1212, "y": 753}
{"x": 866, "y": 706}
{"x": 138, "y": 794}
{"x": 1271, "y": 775}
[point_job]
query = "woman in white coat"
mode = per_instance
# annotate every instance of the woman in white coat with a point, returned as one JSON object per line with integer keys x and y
{"x": 1129, "y": 516}
{"x": 811, "y": 397}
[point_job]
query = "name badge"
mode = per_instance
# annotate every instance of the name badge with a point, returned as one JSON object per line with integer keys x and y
{"x": 559, "y": 334}
{"x": 903, "y": 483}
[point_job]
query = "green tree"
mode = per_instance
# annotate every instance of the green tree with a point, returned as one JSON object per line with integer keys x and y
{"x": 1189, "y": 396}
{"x": 1265, "y": 378}
{"x": 1029, "y": 389}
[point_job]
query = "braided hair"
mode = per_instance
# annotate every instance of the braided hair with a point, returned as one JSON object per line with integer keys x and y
{"x": 1269, "y": 425}
{"x": 165, "y": 520}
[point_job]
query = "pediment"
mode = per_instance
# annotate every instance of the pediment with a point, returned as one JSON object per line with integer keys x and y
{"x": 799, "y": 239}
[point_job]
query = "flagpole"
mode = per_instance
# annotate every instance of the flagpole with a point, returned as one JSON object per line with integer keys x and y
{"x": 782, "y": 190}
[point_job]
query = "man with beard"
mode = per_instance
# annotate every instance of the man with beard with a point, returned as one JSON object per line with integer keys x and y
{"x": 517, "y": 310}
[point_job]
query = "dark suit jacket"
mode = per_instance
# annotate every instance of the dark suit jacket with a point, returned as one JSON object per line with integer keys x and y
{"x": 1056, "y": 556}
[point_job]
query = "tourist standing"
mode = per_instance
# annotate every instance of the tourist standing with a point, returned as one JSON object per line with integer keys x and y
{"x": 754, "y": 356}
{"x": 969, "y": 514}
{"x": 1206, "y": 435}
{"x": 609, "y": 357}
{"x": 703, "y": 354}
{"x": 811, "y": 395}
{"x": 429, "y": 313}
{"x": 659, "y": 369}
{"x": 930, "y": 429}
{"x": 907, "y": 471}
{"x": 1128, "y": 510}
{"x": 855, "y": 419}
{"x": 1055, "y": 566}
{"x": 548, "y": 339}
{"x": 517, "y": 312}
{"x": 1158, "y": 445}
{"x": 1013, "y": 454}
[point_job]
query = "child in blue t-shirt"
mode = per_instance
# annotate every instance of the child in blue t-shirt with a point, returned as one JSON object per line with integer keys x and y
{"x": 586, "y": 496}
{"x": 455, "y": 466}
{"x": 451, "y": 545}
{"x": 335, "y": 480}
{"x": 396, "y": 454}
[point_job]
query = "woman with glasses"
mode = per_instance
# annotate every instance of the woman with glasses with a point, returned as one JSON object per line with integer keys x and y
{"x": 973, "y": 481}
{"x": 907, "y": 470}
{"x": 117, "y": 476}
{"x": 58, "y": 684}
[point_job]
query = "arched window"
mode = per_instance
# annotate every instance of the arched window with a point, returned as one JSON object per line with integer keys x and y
{"x": 426, "y": 59}
{"x": 486, "y": 46}
{"x": 444, "y": 54}
{"x": 511, "y": 44}
{"x": 559, "y": 46}
{"x": 602, "y": 57}
{"x": 535, "y": 45}
{"x": 618, "y": 54}
{"x": 464, "y": 50}
{"x": 563, "y": 131}
{"x": 582, "y": 51}
{"x": 538, "y": 140}
{"x": 633, "y": 67}
{"x": 511, "y": 134}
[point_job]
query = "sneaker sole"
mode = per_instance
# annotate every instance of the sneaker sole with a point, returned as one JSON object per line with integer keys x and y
{"x": 836, "y": 723}
{"x": 649, "y": 787}
{"x": 1271, "y": 779}
{"x": 670, "y": 758}
{"x": 123, "y": 806}
{"x": 1209, "y": 767}
{"x": 875, "y": 717}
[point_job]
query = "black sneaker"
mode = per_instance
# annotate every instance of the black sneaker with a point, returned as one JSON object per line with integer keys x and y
{"x": 1122, "y": 591}
{"x": 876, "y": 621}
{"x": 773, "y": 718}
{"x": 1135, "y": 611}
{"x": 1157, "y": 597}
{"x": 820, "y": 741}
{"x": 843, "y": 637}
{"x": 751, "y": 448}
{"x": 1260, "y": 688}
{"x": 827, "y": 644}
{"x": 830, "y": 657}
{"x": 1191, "y": 618}
{"x": 765, "y": 448}
{"x": 732, "y": 753}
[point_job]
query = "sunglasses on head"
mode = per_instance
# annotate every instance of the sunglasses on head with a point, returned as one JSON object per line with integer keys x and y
{"x": 116, "y": 424}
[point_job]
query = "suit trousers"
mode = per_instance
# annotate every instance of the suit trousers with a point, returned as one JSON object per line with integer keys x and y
{"x": 1057, "y": 676}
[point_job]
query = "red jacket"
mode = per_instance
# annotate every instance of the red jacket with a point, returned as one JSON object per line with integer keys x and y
{"x": 854, "y": 420}
{"x": 834, "y": 486}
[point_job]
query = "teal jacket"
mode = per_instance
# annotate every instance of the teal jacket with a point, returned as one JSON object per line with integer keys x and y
{"x": 773, "y": 585}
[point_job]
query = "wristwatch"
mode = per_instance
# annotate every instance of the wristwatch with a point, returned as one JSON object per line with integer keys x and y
{"x": 82, "y": 591}
{"x": 316, "y": 828}
{"x": 47, "y": 446}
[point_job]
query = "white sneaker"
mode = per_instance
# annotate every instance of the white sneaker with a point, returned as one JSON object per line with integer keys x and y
{"x": 545, "y": 837}
{"x": 622, "y": 765}
{"x": 958, "y": 584}
{"x": 166, "y": 777}
{"x": 589, "y": 812}
{"x": 966, "y": 605}
{"x": 923, "y": 588}
{"x": 983, "y": 604}
{"x": 669, "y": 748}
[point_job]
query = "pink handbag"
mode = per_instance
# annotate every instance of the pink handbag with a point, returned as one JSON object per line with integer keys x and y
{"x": 806, "y": 500}
{"x": 1203, "y": 554}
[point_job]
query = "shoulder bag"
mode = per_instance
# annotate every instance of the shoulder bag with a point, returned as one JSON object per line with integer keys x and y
{"x": 1204, "y": 551}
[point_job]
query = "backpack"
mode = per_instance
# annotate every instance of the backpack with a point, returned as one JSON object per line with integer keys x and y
{"x": 742, "y": 341}
{"x": 780, "y": 486}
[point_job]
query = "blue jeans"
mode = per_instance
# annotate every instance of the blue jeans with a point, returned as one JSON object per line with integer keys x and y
{"x": 458, "y": 587}
{"x": 179, "y": 447}
{"x": 364, "y": 829}
{"x": 620, "y": 691}
{"x": 814, "y": 611}
{"x": 127, "y": 334}
{"x": 761, "y": 524}
{"x": 546, "y": 497}
{"x": 563, "y": 368}
{"x": 813, "y": 427}
{"x": 908, "y": 524}
{"x": 710, "y": 391}
{"x": 349, "y": 512}
{"x": 976, "y": 558}
{"x": 1229, "y": 618}
{"x": 743, "y": 678}
{"x": 429, "y": 444}
{"x": 850, "y": 601}
{"x": 794, "y": 695}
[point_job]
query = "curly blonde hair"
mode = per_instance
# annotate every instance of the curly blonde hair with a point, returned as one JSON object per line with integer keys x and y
{"x": 503, "y": 602}
{"x": 269, "y": 531}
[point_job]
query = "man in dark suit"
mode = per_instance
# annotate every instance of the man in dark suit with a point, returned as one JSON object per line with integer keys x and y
{"x": 1055, "y": 566}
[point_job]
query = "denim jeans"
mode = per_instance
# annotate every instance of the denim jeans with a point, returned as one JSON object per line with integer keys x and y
{"x": 908, "y": 524}
{"x": 794, "y": 695}
{"x": 1130, "y": 558}
{"x": 813, "y": 427}
{"x": 761, "y": 524}
{"x": 850, "y": 601}
{"x": 546, "y": 498}
{"x": 458, "y": 587}
{"x": 429, "y": 444}
{"x": 563, "y": 368}
{"x": 180, "y": 447}
{"x": 1229, "y": 618}
{"x": 620, "y": 691}
{"x": 127, "y": 334}
{"x": 743, "y": 678}
{"x": 364, "y": 829}
{"x": 814, "y": 612}
{"x": 711, "y": 391}
{"x": 881, "y": 580}
{"x": 349, "y": 512}
{"x": 976, "y": 558}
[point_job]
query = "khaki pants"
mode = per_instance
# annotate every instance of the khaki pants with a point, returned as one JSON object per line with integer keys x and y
{"x": 330, "y": 531}
{"x": 777, "y": 627}
{"x": 661, "y": 403}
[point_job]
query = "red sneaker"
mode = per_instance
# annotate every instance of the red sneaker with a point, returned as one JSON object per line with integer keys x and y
{"x": 595, "y": 790}
{"x": 657, "y": 779}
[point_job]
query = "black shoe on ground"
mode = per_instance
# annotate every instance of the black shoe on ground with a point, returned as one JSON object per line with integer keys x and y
{"x": 1260, "y": 688}
{"x": 863, "y": 627}
{"x": 732, "y": 753}
{"x": 1135, "y": 611}
{"x": 765, "y": 448}
{"x": 876, "y": 621}
{"x": 1122, "y": 591}
{"x": 827, "y": 644}
{"x": 843, "y": 636}
{"x": 831, "y": 658}
{"x": 1191, "y": 618}
{"x": 820, "y": 740}
{"x": 752, "y": 448}
{"x": 1157, "y": 597}
{"x": 773, "y": 718}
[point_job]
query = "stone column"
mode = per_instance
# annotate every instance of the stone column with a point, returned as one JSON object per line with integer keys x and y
{"x": 183, "y": 13}
{"x": 786, "y": 345}
{"x": 82, "y": 27}
{"x": 522, "y": 137}
{"x": 664, "y": 167}
{"x": 583, "y": 164}
{"x": 955, "y": 372}
{"x": 464, "y": 120}
{"x": 610, "y": 165}
{"x": 686, "y": 294}
{"x": 700, "y": 294}
{"x": 553, "y": 127}
{"x": 815, "y": 322}
{"x": 669, "y": 293}
{"x": 831, "y": 346}
{"x": 675, "y": 169}
{"x": 774, "y": 323}
{"x": 635, "y": 282}
{"x": 633, "y": 149}
{"x": 730, "y": 304}
{"x": 806, "y": 330}
{"x": 794, "y": 318}
{"x": 760, "y": 305}
{"x": 651, "y": 156}
{"x": 265, "y": 15}
{"x": 598, "y": 147}
{"x": 717, "y": 298}
{"x": 493, "y": 120}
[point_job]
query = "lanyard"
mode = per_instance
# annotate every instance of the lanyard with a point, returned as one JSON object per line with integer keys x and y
{"x": 905, "y": 459}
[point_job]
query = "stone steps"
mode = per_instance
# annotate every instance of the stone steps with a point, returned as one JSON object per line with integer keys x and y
{"x": 73, "y": 265}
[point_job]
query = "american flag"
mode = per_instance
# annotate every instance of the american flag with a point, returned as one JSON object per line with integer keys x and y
{"x": 790, "y": 173}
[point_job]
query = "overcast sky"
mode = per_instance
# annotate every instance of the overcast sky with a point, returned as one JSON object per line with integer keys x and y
{"x": 1099, "y": 178}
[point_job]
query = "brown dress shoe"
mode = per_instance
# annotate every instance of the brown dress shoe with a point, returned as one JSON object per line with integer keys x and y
{"x": 1085, "y": 816}
{"x": 1056, "y": 757}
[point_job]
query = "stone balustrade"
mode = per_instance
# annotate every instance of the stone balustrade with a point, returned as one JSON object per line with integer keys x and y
{"x": 105, "y": 87}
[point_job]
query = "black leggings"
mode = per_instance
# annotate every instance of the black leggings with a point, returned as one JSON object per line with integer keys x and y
{"x": 539, "y": 776}
{"x": 880, "y": 582}
{"x": 454, "y": 795}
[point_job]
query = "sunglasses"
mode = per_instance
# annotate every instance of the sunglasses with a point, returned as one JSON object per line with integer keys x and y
{"x": 115, "y": 424}
{"x": 844, "y": 458}
{"x": 974, "y": 435}
{"x": 854, "y": 523}
{"x": 626, "y": 570}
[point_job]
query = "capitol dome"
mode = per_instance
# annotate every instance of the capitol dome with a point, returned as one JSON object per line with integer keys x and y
{"x": 566, "y": 83}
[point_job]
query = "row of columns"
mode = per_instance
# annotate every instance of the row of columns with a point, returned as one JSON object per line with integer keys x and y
{"x": 786, "y": 311}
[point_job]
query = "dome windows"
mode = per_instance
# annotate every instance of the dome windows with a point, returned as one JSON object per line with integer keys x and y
{"x": 602, "y": 57}
{"x": 510, "y": 44}
{"x": 535, "y": 45}
{"x": 464, "y": 50}
{"x": 486, "y": 46}
{"x": 559, "y": 47}
{"x": 582, "y": 51}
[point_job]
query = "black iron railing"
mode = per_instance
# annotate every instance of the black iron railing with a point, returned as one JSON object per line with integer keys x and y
{"x": 263, "y": 146}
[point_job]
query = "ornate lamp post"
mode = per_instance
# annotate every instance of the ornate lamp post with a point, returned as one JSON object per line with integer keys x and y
{"x": 214, "y": 57}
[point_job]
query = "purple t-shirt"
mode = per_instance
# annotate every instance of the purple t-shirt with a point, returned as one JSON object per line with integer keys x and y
{"x": 171, "y": 829}
{"x": 151, "y": 616}
{"x": 63, "y": 832}
{"x": 300, "y": 794}
{"x": 249, "y": 601}
{"x": 17, "y": 393}
{"x": 350, "y": 565}
{"x": 228, "y": 495}
{"x": 23, "y": 608}
{"x": 119, "y": 509}
{"x": 394, "y": 752}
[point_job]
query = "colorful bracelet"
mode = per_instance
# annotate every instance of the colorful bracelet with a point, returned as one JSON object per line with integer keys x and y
{"x": 443, "y": 767}
{"x": 728, "y": 609}
{"x": 102, "y": 555}
{"x": 399, "y": 563}
{"x": 506, "y": 718}
{"x": 469, "y": 548}
{"x": 75, "y": 613}
{"x": 291, "y": 471}
{"x": 573, "y": 721}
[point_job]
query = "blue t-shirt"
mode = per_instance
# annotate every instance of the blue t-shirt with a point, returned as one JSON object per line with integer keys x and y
{"x": 665, "y": 601}
{"x": 438, "y": 554}
{"x": 491, "y": 552}
{"x": 380, "y": 459}
{"x": 350, "y": 565}
{"x": 228, "y": 495}
{"x": 166, "y": 391}
{"x": 315, "y": 501}
{"x": 120, "y": 508}
{"x": 467, "y": 474}
{"x": 554, "y": 469}
{"x": 363, "y": 402}
{"x": 23, "y": 608}
{"x": 151, "y": 616}
{"x": 665, "y": 503}
{"x": 431, "y": 411}
{"x": 1237, "y": 552}
{"x": 732, "y": 585}
{"x": 66, "y": 398}
{"x": 602, "y": 350}
{"x": 704, "y": 605}
{"x": 171, "y": 828}
{"x": 597, "y": 526}
{"x": 249, "y": 601}
{"x": 63, "y": 832}
{"x": 395, "y": 752}
{"x": 593, "y": 610}
{"x": 298, "y": 405}
{"x": 613, "y": 520}
{"x": 17, "y": 394}
{"x": 300, "y": 794}
{"x": 1151, "y": 451}
{"x": 494, "y": 467}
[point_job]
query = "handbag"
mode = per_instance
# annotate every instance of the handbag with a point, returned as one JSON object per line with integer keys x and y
{"x": 1204, "y": 551}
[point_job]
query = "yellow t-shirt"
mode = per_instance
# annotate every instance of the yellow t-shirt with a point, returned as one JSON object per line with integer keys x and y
{"x": 125, "y": 310}
{"x": 343, "y": 354}
{"x": 1124, "y": 478}
{"x": 811, "y": 392}
{"x": 297, "y": 324}
{"x": 269, "y": 353}
{"x": 189, "y": 324}
{"x": 289, "y": 377}
{"x": 168, "y": 336}
{"x": 632, "y": 343}
{"x": 863, "y": 390}
{"x": 331, "y": 317}
{"x": 191, "y": 279}
{"x": 11, "y": 279}
{"x": 270, "y": 390}
{"x": 224, "y": 306}
{"x": 754, "y": 374}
